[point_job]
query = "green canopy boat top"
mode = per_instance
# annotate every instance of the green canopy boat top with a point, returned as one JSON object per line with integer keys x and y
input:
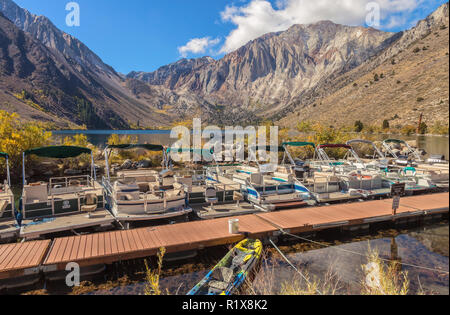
{"x": 149, "y": 147}
{"x": 58, "y": 152}
{"x": 4, "y": 155}
{"x": 299, "y": 144}
{"x": 268, "y": 148}
{"x": 196, "y": 151}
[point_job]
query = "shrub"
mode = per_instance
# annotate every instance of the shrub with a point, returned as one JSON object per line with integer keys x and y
{"x": 423, "y": 128}
{"x": 408, "y": 130}
{"x": 420, "y": 99}
{"x": 386, "y": 124}
{"x": 17, "y": 136}
{"x": 440, "y": 129}
{"x": 123, "y": 154}
{"x": 416, "y": 50}
{"x": 359, "y": 126}
{"x": 305, "y": 126}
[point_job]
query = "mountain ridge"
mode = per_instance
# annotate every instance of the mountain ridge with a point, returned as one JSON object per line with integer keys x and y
{"x": 271, "y": 77}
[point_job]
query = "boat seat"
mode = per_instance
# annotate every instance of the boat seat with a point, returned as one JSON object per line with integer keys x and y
{"x": 127, "y": 197}
{"x": 238, "y": 197}
{"x": 178, "y": 190}
{"x": 211, "y": 196}
{"x": 35, "y": 193}
{"x": 143, "y": 187}
{"x": 154, "y": 187}
{"x": 3, "y": 205}
{"x": 240, "y": 259}
{"x": 257, "y": 179}
{"x": 91, "y": 201}
{"x": 284, "y": 176}
{"x": 74, "y": 183}
{"x": 221, "y": 278}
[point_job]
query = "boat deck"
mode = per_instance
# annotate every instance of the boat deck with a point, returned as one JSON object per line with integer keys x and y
{"x": 8, "y": 229}
{"x": 33, "y": 230}
{"x": 224, "y": 210}
{"x": 104, "y": 248}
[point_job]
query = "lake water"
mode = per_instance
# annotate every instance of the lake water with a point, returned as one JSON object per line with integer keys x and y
{"x": 431, "y": 144}
{"x": 426, "y": 247}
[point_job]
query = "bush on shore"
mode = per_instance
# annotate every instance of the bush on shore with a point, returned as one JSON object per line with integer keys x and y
{"x": 17, "y": 136}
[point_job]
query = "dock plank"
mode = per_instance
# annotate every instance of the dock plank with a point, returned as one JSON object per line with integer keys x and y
{"x": 20, "y": 257}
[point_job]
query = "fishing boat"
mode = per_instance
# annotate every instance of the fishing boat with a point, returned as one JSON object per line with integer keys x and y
{"x": 61, "y": 196}
{"x": 6, "y": 194}
{"x": 144, "y": 194}
{"x": 227, "y": 277}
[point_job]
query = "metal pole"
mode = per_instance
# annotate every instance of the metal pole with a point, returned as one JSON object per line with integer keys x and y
{"x": 93, "y": 171}
{"x": 107, "y": 164}
{"x": 23, "y": 169}
{"x": 7, "y": 172}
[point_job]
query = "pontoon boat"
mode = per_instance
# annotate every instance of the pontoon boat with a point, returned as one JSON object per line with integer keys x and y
{"x": 144, "y": 194}
{"x": 61, "y": 195}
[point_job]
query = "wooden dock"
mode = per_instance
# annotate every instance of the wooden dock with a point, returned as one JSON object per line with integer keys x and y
{"x": 22, "y": 259}
{"x": 109, "y": 247}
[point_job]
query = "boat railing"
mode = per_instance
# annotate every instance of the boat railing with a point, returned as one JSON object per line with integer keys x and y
{"x": 68, "y": 181}
{"x": 144, "y": 196}
{"x": 54, "y": 197}
{"x": 7, "y": 194}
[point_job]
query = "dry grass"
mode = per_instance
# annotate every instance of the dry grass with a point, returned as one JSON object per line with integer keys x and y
{"x": 153, "y": 276}
{"x": 383, "y": 279}
{"x": 379, "y": 278}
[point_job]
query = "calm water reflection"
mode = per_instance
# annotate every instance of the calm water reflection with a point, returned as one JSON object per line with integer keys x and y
{"x": 431, "y": 144}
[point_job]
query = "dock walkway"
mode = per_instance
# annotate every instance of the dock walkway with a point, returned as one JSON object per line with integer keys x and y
{"x": 109, "y": 247}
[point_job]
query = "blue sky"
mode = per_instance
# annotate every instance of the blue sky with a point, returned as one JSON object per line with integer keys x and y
{"x": 143, "y": 35}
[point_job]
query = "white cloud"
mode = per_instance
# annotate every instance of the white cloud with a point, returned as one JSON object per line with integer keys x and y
{"x": 197, "y": 46}
{"x": 259, "y": 16}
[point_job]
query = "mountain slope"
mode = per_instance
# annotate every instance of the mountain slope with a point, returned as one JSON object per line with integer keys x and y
{"x": 270, "y": 71}
{"x": 406, "y": 79}
{"x": 89, "y": 91}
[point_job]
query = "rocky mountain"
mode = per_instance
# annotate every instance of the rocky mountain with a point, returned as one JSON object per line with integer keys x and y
{"x": 169, "y": 75}
{"x": 321, "y": 71}
{"x": 408, "y": 78}
{"x": 79, "y": 88}
{"x": 269, "y": 72}
{"x": 291, "y": 72}
{"x": 41, "y": 28}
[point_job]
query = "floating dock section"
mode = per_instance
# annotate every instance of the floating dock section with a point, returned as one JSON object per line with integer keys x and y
{"x": 105, "y": 248}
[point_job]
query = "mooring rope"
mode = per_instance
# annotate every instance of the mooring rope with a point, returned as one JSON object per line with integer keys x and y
{"x": 292, "y": 265}
{"x": 350, "y": 251}
{"x": 363, "y": 255}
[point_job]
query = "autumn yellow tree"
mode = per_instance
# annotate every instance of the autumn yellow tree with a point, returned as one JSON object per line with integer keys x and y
{"x": 17, "y": 136}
